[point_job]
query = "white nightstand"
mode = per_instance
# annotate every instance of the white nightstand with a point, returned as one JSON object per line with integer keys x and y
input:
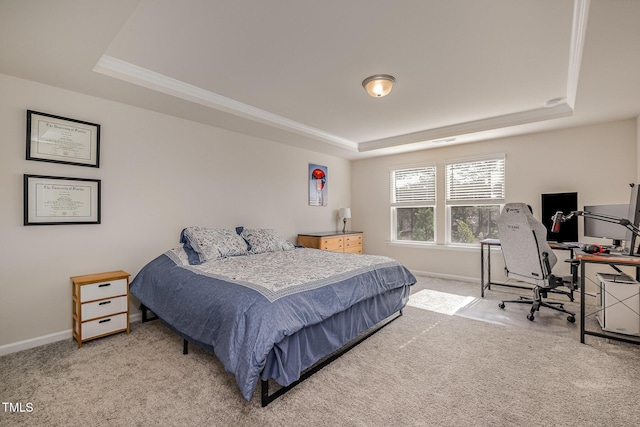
{"x": 100, "y": 305}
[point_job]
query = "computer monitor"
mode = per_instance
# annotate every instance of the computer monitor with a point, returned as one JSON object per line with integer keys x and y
{"x": 565, "y": 202}
{"x": 633, "y": 216}
{"x": 606, "y": 230}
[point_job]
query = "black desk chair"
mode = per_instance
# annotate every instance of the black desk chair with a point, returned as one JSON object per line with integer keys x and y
{"x": 529, "y": 258}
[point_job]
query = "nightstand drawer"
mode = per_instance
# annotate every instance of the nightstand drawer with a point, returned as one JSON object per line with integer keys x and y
{"x": 104, "y": 326}
{"x": 101, "y": 290}
{"x": 102, "y": 308}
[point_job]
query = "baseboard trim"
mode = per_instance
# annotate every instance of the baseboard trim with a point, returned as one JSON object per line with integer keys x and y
{"x": 64, "y": 335}
{"x": 446, "y": 276}
{"x": 48, "y": 339}
{"x": 34, "y": 342}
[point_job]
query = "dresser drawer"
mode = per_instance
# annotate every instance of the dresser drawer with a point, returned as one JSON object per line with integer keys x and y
{"x": 101, "y": 290}
{"x": 352, "y": 241}
{"x": 102, "y": 308}
{"x": 354, "y": 250}
{"x": 103, "y": 326}
{"x": 332, "y": 243}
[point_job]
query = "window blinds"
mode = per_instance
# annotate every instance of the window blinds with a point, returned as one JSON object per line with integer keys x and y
{"x": 475, "y": 180}
{"x": 413, "y": 185}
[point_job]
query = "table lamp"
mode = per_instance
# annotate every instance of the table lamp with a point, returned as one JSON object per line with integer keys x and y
{"x": 345, "y": 213}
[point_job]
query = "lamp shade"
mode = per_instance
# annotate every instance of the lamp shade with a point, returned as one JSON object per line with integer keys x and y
{"x": 379, "y": 85}
{"x": 345, "y": 213}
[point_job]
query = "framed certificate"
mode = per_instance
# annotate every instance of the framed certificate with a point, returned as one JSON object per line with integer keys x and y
{"x": 60, "y": 140}
{"x": 51, "y": 200}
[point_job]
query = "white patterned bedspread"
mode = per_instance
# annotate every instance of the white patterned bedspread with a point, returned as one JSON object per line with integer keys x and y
{"x": 276, "y": 274}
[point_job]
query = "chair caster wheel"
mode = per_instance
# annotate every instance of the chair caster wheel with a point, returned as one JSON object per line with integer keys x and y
{"x": 571, "y": 319}
{"x": 501, "y": 305}
{"x": 530, "y": 316}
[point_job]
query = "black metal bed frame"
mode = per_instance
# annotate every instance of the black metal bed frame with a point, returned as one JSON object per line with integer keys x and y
{"x": 265, "y": 397}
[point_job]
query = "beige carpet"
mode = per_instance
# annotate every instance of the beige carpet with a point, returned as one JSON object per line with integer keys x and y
{"x": 425, "y": 369}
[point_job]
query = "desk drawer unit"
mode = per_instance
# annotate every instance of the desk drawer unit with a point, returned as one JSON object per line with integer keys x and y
{"x": 100, "y": 305}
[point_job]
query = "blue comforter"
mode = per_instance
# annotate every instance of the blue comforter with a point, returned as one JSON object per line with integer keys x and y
{"x": 240, "y": 307}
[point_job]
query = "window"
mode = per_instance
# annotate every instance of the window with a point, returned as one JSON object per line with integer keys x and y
{"x": 413, "y": 200}
{"x": 474, "y": 195}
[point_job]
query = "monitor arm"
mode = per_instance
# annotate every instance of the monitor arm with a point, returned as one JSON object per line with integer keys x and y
{"x": 602, "y": 217}
{"x": 559, "y": 217}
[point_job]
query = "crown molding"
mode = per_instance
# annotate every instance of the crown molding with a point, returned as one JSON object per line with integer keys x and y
{"x": 131, "y": 73}
{"x": 578, "y": 35}
{"x": 458, "y": 129}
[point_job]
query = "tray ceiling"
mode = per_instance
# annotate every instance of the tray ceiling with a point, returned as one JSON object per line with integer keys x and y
{"x": 291, "y": 71}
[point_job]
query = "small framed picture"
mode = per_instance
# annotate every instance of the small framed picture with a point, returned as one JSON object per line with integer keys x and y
{"x": 51, "y": 200}
{"x": 61, "y": 140}
{"x": 318, "y": 188}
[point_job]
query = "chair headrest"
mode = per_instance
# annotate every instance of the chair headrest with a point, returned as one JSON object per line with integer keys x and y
{"x": 517, "y": 209}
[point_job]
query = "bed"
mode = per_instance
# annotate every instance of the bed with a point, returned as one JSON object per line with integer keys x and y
{"x": 266, "y": 308}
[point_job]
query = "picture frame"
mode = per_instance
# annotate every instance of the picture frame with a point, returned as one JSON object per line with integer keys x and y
{"x": 54, "y": 200}
{"x": 62, "y": 140}
{"x": 318, "y": 185}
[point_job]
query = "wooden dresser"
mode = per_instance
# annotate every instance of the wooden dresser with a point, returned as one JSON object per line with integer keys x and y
{"x": 335, "y": 241}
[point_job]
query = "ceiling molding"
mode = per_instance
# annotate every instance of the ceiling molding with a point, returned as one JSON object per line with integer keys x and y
{"x": 578, "y": 35}
{"x": 491, "y": 123}
{"x": 122, "y": 70}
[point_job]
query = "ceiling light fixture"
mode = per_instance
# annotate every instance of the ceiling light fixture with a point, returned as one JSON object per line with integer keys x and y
{"x": 379, "y": 85}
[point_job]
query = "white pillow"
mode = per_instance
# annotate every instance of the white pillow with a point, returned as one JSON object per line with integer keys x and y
{"x": 265, "y": 240}
{"x": 213, "y": 243}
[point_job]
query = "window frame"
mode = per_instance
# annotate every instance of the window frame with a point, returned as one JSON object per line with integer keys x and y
{"x": 431, "y": 201}
{"x": 471, "y": 201}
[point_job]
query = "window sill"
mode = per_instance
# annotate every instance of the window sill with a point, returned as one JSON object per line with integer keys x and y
{"x": 434, "y": 246}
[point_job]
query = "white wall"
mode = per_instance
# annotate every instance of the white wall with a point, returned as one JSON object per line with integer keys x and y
{"x": 638, "y": 148}
{"x": 596, "y": 161}
{"x": 159, "y": 174}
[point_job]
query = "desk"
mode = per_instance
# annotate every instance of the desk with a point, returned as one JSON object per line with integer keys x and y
{"x": 613, "y": 261}
{"x": 486, "y": 271}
